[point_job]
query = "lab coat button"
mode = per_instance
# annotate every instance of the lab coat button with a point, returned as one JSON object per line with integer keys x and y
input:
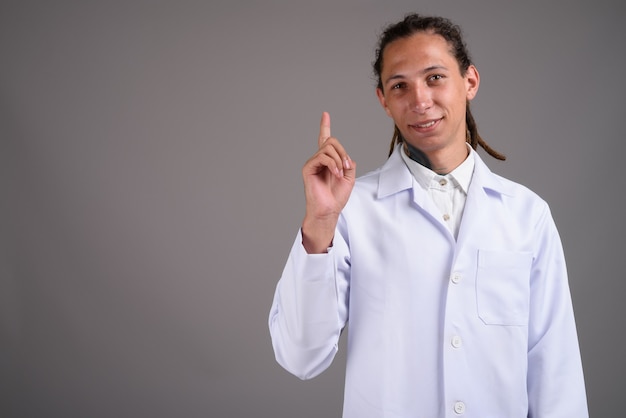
{"x": 459, "y": 408}
{"x": 456, "y": 278}
{"x": 456, "y": 341}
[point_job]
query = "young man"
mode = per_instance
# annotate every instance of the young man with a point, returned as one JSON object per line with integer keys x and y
{"x": 452, "y": 279}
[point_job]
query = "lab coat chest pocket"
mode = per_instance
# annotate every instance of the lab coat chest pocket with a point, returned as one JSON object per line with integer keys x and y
{"x": 503, "y": 287}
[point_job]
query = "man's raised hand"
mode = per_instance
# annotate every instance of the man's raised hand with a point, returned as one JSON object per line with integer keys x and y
{"x": 329, "y": 177}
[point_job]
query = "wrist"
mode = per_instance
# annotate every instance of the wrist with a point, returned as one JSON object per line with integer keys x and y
{"x": 318, "y": 234}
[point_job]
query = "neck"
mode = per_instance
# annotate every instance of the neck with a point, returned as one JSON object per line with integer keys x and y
{"x": 417, "y": 155}
{"x": 439, "y": 162}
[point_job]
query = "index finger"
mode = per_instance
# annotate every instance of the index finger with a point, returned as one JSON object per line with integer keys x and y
{"x": 324, "y": 129}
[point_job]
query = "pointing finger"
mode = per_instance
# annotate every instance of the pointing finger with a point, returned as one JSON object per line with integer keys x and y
{"x": 324, "y": 129}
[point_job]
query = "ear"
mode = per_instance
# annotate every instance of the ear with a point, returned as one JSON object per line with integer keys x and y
{"x": 383, "y": 102}
{"x": 472, "y": 81}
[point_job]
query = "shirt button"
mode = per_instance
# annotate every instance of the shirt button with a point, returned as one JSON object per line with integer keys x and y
{"x": 443, "y": 182}
{"x": 459, "y": 408}
{"x": 456, "y": 278}
{"x": 446, "y": 217}
{"x": 456, "y": 341}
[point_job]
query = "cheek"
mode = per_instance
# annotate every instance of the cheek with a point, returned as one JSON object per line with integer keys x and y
{"x": 398, "y": 113}
{"x": 398, "y": 105}
{"x": 391, "y": 107}
{"x": 455, "y": 100}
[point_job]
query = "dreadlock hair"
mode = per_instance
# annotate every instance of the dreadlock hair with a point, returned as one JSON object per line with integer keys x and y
{"x": 412, "y": 24}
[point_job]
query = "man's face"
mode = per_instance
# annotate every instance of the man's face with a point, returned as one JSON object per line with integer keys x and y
{"x": 425, "y": 93}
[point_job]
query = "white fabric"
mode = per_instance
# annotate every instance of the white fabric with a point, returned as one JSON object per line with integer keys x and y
{"x": 448, "y": 191}
{"x": 481, "y": 326}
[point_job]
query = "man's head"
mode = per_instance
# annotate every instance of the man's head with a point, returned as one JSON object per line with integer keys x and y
{"x": 430, "y": 61}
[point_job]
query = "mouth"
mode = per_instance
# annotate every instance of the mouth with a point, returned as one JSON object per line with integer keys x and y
{"x": 426, "y": 125}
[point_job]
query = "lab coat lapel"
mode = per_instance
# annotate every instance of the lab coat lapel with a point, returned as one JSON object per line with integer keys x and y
{"x": 395, "y": 176}
{"x": 484, "y": 188}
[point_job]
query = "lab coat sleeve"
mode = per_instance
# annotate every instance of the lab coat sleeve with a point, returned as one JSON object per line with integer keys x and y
{"x": 310, "y": 308}
{"x": 556, "y": 386}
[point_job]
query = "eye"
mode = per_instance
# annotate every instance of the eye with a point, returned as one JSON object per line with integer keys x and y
{"x": 435, "y": 78}
{"x": 398, "y": 86}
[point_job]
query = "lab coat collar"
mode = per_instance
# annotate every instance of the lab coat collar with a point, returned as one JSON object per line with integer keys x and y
{"x": 395, "y": 176}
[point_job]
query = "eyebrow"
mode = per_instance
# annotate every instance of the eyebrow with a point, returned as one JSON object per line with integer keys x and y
{"x": 424, "y": 71}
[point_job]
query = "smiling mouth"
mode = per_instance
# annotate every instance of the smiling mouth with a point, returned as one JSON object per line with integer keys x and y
{"x": 426, "y": 125}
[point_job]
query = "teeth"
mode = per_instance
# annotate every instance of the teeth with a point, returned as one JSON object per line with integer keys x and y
{"x": 427, "y": 125}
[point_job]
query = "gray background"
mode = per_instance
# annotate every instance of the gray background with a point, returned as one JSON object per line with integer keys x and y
{"x": 150, "y": 156}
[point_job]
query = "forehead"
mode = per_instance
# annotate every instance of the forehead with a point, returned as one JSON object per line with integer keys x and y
{"x": 422, "y": 49}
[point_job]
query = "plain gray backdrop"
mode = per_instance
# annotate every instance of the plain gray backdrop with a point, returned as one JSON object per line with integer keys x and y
{"x": 150, "y": 157}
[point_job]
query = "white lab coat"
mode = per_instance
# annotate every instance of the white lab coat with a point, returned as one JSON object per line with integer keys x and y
{"x": 479, "y": 327}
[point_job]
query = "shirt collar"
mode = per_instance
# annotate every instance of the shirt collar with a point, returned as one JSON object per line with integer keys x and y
{"x": 395, "y": 176}
{"x": 462, "y": 175}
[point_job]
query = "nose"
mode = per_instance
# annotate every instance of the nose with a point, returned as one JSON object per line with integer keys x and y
{"x": 422, "y": 99}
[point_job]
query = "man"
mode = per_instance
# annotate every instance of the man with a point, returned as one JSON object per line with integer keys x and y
{"x": 451, "y": 278}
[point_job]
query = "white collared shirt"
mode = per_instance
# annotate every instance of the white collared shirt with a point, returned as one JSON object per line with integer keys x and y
{"x": 448, "y": 191}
